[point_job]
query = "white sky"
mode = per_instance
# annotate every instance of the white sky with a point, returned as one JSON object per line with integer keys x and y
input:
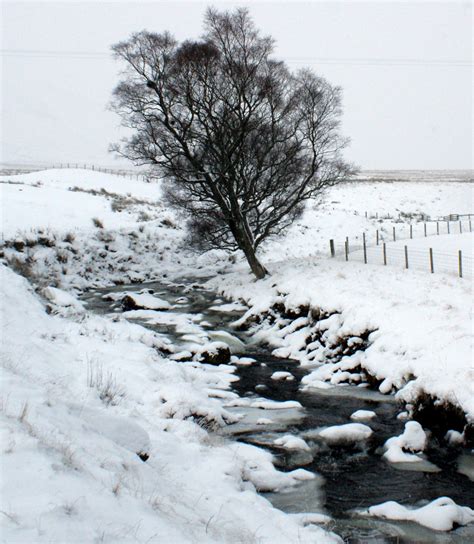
{"x": 405, "y": 68}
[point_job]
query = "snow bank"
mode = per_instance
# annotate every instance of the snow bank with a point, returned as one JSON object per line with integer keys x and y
{"x": 114, "y": 438}
{"x": 441, "y": 514}
{"x": 407, "y": 331}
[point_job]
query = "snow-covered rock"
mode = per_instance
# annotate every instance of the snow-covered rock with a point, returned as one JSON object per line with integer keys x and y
{"x": 282, "y": 376}
{"x": 361, "y": 415}
{"x": 413, "y": 439}
{"x": 63, "y": 299}
{"x": 441, "y": 514}
{"x": 290, "y": 442}
{"x": 213, "y": 353}
{"x": 143, "y": 301}
{"x": 346, "y": 434}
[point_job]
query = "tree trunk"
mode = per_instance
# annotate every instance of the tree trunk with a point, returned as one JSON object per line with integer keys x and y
{"x": 257, "y": 267}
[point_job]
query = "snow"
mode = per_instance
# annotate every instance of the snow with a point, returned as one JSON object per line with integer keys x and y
{"x": 92, "y": 390}
{"x": 445, "y": 252}
{"x": 89, "y": 395}
{"x": 347, "y": 433}
{"x": 274, "y": 405}
{"x": 62, "y": 298}
{"x": 422, "y": 339}
{"x": 242, "y": 361}
{"x": 413, "y": 439}
{"x": 290, "y": 442}
{"x": 147, "y": 301}
{"x": 361, "y": 415}
{"x": 440, "y": 514}
{"x": 281, "y": 375}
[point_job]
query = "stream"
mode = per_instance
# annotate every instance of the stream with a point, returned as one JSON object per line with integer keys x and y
{"x": 349, "y": 477}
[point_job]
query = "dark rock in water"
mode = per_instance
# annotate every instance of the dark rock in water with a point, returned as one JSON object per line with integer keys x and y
{"x": 143, "y": 456}
{"x": 128, "y": 303}
{"x": 469, "y": 434}
{"x": 215, "y": 355}
{"x": 439, "y": 417}
{"x": 261, "y": 387}
{"x": 19, "y": 245}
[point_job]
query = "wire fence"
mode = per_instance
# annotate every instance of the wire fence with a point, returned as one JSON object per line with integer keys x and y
{"x": 381, "y": 247}
{"x": 418, "y": 217}
{"x": 145, "y": 176}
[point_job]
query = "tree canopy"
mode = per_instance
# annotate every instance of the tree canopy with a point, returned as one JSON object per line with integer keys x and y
{"x": 241, "y": 142}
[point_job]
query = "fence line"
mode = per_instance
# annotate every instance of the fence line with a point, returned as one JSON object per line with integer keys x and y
{"x": 122, "y": 172}
{"x": 420, "y": 217}
{"x": 380, "y": 252}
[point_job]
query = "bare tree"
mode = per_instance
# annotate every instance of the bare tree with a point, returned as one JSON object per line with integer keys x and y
{"x": 241, "y": 142}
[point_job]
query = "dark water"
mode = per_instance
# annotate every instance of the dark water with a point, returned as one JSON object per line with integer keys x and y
{"x": 351, "y": 477}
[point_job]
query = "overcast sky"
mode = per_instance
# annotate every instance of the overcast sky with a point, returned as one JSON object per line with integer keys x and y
{"x": 405, "y": 69}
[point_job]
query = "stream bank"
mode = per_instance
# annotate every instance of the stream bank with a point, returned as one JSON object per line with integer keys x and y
{"x": 348, "y": 476}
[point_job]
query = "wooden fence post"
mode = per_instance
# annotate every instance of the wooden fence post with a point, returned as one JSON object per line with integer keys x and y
{"x": 424, "y": 227}
{"x": 365, "y": 248}
{"x": 384, "y": 254}
{"x": 437, "y": 227}
{"x": 346, "y": 247}
{"x": 377, "y": 236}
{"x": 406, "y": 257}
{"x": 366, "y": 215}
{"x": 411, "y": 230}
{"x": 448, "y": 225}
{"x": 431, "y": 261}
{"x": 470, "y": 226}
{"x": 394, "y": 236}
{"x": 460, "y": 263}
{"x": 460, "y": 227}
{"x": 331, "y": 247}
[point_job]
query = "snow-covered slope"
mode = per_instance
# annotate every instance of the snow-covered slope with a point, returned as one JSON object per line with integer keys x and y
{"x": 63, "y": 200}
{"x": 85, "y": 401}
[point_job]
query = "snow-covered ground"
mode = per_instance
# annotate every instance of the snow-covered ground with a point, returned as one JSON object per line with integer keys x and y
{"x": 83, "y": 394}
{"x": 62, "y": 200}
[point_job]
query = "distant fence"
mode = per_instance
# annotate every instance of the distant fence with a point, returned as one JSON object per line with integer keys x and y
{"x": 419, "y": 217}
{"x": 123, "y": 172}
{"x": 375, "y": 247}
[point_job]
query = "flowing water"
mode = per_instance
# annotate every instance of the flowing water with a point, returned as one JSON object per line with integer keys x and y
{"x": 349, "y": 477}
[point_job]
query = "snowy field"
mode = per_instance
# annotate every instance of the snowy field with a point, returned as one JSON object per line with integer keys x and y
{"x": 59, "y": 206}
{"x": 83, "y": 394}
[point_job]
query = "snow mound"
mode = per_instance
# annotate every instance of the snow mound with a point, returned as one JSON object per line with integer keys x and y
{"x": 242, "y": 361}
{"x": 413, "y": 439}
{"x": 361, "y": 415}
{"x": 286, "y": 376}
{"x": 346, "y": 434}
{"x": 440, "y": 514}
{"x": 123, "y": 431}
{"x": 273, "y": 405}
{"x": 143, "y": 301}
{"x": 290, "y": 442}
{"x": 61, "y": 298}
